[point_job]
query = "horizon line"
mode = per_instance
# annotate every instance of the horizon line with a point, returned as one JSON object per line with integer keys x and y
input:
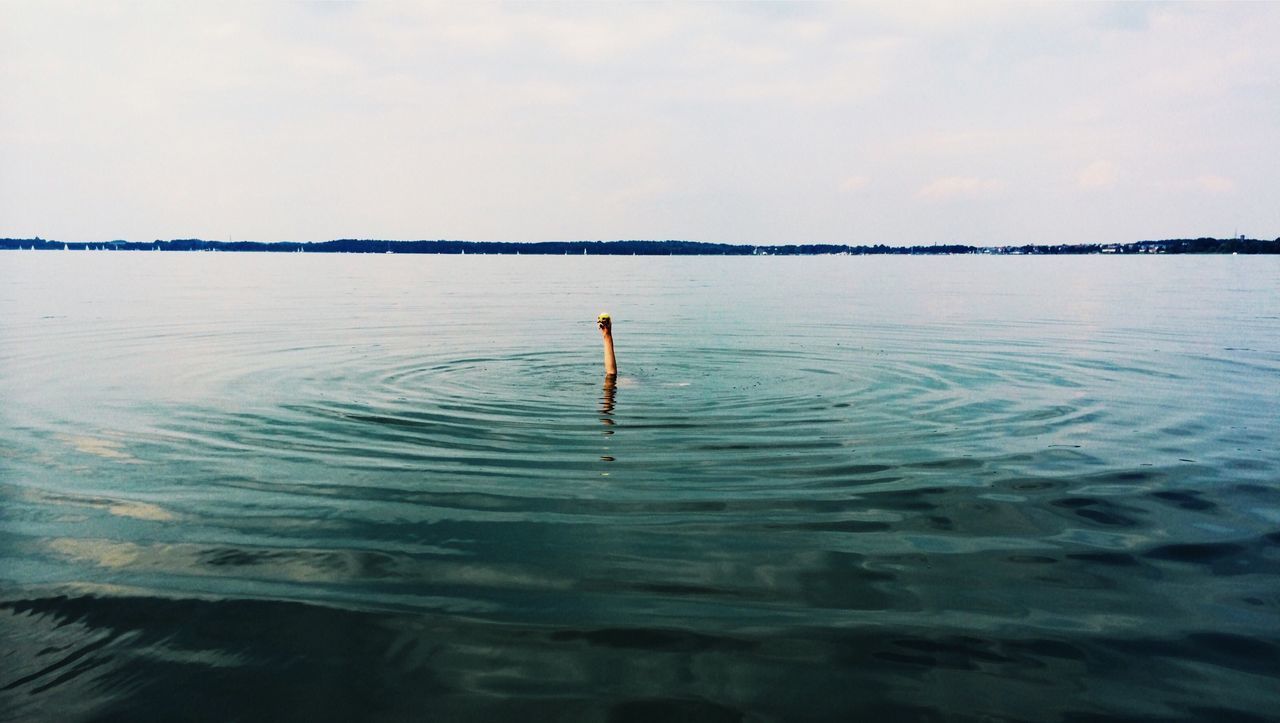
{"x": 993, "y": 244}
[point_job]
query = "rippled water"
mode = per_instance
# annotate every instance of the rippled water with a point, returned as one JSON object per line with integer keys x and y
{"x": 301, "y": 487}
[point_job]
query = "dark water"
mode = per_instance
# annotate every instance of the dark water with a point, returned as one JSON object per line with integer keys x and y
{"x": 269, "y": 487}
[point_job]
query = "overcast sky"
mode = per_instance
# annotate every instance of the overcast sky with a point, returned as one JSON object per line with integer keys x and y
{"x": 753, "y": 123}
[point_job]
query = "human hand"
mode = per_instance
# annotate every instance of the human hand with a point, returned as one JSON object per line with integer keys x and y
{"x": 605, "y": 324}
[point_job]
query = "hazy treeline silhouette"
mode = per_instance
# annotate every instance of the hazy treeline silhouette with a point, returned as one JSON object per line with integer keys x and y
{"x": 648, "y": 248}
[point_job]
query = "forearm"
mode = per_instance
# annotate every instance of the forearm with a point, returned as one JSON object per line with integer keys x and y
{"x": 610, "y": 364}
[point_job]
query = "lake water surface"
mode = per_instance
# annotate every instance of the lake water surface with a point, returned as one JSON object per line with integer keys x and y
{"x": 342, "y": 487}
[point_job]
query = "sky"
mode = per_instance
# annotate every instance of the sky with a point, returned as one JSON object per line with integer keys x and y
{"x": 858, "y": 123}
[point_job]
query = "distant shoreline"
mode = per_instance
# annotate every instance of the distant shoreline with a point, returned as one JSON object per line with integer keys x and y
{"x": 650, "y": 248}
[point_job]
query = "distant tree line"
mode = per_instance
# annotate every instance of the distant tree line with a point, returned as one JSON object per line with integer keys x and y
{"x": 650, "y": 248}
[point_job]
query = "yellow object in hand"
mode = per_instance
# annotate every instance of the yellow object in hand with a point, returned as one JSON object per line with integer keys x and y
{"x": 604, "y": 316}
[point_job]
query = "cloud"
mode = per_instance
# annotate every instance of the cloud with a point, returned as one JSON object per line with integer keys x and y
{"x": 1215, "y": 184}
{"x": 854, "y": 184}
{"x": 970, "y": 187}
{"x": 1096, "y": 175}
{"x": 961, "y": 142}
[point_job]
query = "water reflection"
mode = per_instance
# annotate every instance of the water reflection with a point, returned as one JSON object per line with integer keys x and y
{"x": 607, "y": 401}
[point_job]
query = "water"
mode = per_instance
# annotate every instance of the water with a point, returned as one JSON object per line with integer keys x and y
{"x": 301, "y": 487}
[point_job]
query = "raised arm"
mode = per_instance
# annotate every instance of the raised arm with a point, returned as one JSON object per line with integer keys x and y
{"x": 606, "y": 330}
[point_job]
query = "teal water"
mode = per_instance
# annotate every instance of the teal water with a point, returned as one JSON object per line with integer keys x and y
{"x": 302, "y": 487}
